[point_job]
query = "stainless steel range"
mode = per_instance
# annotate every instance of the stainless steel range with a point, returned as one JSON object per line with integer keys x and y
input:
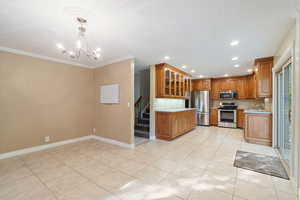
{"x": 227, "y": 115}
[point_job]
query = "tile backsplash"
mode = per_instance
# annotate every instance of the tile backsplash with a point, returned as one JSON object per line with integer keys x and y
{"x": 165, "y": 103}
{"x": 244, "y": 104}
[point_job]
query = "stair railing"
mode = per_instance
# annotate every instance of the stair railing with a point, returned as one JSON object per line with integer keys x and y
{"x": 140, "y": 107}
{"x": 145, "y": 108}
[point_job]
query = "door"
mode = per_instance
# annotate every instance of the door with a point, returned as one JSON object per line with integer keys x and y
{"x": 284, "y": 110}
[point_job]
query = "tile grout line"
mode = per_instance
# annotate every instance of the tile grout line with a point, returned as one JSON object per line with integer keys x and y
{"x": 81, "y": 175}
{"x": 34, "y": 174}
{"x": 91, "y": 181}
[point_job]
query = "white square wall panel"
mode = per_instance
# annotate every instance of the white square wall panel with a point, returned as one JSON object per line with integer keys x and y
{"x": 109, "y": 94}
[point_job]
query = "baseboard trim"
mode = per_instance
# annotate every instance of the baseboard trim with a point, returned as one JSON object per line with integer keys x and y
{"x": 152, "y": 137}
{"x": 42, "y": 147}
{"x": 115, "y": 142}
{"x": 55, "y": 144}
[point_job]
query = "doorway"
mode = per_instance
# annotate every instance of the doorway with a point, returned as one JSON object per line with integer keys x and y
{"x": 142, "y": 106}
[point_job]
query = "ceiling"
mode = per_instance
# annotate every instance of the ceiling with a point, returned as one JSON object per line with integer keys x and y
{"x": 195, "y": 33}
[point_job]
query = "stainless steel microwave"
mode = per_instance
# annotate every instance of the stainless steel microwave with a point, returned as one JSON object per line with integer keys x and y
{"x": 228, "y": 95}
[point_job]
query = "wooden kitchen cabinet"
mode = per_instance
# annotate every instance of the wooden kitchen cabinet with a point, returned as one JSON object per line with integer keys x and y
{"x": 216, "y": 85}
{"x": 263, "y": 76}
{"x": 169, "y": 125}
{"x": 258, "y": 128}
{"x": 237, "y": 84}
{"x": 201, "y": 84}
{"x": 213, "y": 117}
{"x": 242, "y": 87}
{"x": 240, "y": 118}
{"x": 257, "y": 85}
{"x": 251, "y": 86}
{"x": 171, "y": 82}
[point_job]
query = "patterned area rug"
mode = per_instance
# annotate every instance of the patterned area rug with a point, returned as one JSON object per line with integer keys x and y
{"x": 260, "y": 163}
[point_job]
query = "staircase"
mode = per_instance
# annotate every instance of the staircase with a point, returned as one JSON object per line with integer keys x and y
{"x": 142, "y": 120}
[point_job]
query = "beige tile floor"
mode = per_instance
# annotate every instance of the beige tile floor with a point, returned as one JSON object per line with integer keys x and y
{"x": 196, "y": 166}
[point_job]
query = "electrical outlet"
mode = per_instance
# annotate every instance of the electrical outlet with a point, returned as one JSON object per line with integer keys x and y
{"x": 94, "y": 131}
{"x": 47, "y": 139}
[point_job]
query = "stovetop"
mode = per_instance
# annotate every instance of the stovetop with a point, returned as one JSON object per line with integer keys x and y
{"x": 228, "y": 106}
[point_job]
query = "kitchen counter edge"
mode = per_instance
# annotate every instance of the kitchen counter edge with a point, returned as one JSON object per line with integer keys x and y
{"x": 257, "y": 112}
{"x": 176, "y": 110}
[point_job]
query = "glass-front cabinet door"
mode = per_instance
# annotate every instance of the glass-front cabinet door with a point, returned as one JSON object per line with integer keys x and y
{"x": 167, "y": 85}
{"x": 173, "y": 83}
{"x": 177, "y": 87}
{"x": 182, "y": 86}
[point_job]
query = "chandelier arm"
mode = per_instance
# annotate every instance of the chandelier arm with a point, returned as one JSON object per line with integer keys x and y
{"x": 82, "y": 44}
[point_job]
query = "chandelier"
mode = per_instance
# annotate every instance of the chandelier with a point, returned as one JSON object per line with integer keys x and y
{"x": 82, "y": 46}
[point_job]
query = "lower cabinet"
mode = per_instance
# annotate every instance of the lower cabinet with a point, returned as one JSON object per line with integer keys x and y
{"x": 240, "y": 118}
{"x": 213, "y": 117}
{"x": 169, "y": 125}
{"x": 258, "y": 128}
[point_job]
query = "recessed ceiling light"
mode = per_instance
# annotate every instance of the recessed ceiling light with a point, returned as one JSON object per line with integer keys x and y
{"x": 234, "y": 43}
{"x": 226, "y": 75}
{"x": 235, "y": 58}
{"x": 167, "y": 58}
{"x": 250, "y": 70}
{"x": 192, "y": 71}
{"x": 183, "y": 66}
{"x": 237, "y": 65}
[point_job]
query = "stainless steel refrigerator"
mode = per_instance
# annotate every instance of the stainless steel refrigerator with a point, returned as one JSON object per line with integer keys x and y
{"x": 200, "y": 100}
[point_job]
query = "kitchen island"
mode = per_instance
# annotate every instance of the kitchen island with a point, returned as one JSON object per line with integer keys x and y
{"x": 171, "y": 123}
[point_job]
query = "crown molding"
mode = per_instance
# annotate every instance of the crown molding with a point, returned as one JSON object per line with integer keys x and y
{"x": 16, "y": 51}
{"x": 115, "y": 60}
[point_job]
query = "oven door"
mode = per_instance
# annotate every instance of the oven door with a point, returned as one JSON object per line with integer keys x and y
{"x": 227, "y": 118}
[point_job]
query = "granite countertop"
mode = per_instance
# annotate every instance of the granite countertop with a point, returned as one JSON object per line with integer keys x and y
{"x": 254, "y": 111}
{"x": 175, "y": 109}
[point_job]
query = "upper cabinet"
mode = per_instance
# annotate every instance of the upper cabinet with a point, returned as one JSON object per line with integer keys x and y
{"x": 171, "y": 82}
{"x": 263, "y": 76}
{"x": 201, "y": 84}
{"x": 256, "y": 85}
{"x": 238, "y": 84}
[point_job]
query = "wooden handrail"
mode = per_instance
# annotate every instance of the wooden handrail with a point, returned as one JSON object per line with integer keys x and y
{"x": 138, "y": 101}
